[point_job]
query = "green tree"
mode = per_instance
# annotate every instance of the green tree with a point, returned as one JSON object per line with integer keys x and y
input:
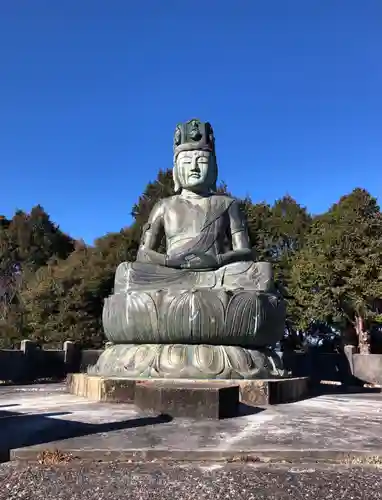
{"x": 27, "y": 243}
{"x": 288, "y": 225}
{"x": 54, "y": 309}
{"x": 31, "y": 240}
{"x": 337, "y": 275}
{"x": 64, "y": 301}
{"x": 277, "y": 231}
{"x": 258, "y": 221}
{"x": 277, "y": 234}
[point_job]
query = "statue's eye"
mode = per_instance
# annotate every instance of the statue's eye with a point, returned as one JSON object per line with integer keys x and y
{"x": 202, "y": 160}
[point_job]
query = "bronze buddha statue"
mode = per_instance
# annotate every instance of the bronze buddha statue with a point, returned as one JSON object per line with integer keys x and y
{"x": 204, "y": 309}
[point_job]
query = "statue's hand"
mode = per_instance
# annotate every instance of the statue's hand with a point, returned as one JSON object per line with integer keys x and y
{"x": 199, "y": 261}
{"x": 175, "y": 262}
{"x": 142, "y": 256}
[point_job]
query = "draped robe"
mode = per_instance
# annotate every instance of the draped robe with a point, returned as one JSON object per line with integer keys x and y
{"x": 189, "y": 229}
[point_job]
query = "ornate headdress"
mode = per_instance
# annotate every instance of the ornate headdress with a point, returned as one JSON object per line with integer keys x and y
{"x": 195, "y": 135}
{"x": 192, "y": 135}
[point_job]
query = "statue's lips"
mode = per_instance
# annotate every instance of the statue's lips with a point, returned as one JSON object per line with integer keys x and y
{"x": 194, "y": 176}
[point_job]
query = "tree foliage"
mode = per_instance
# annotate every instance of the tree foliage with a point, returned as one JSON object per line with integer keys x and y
{"x": 337, "y": 276}
{"x": 31, "y": 240}
{"x": 28, "y": 242}
{"x": 66, "y": 298}
{"x": 277, "y": 233}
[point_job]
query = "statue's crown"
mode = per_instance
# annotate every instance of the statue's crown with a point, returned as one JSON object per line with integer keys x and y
{"x": 192, "y": 135}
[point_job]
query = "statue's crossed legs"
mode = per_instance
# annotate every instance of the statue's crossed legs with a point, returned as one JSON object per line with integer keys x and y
{"x": 241, "y": 275}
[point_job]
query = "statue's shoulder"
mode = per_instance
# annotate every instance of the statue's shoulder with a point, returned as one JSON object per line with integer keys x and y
{"x": 224, "y": 199}
{"x": 158, "y": 210}
{"x": 169, "y": 201}
{"x": 164, "y": 204}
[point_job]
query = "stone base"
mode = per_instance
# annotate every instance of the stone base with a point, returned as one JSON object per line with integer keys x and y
{"x": 188, "y": 399}
{"x": 102, "y": 432}
{"x": 236, "y": 303}
{"x": 188, "y": 361}
{"x": 112, "y": 390}
{"x": 252, "y": 392}
{"x": 273, "y": 391}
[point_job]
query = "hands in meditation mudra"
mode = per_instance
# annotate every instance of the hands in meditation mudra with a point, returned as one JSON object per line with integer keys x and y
{"x": 204, "y": 309}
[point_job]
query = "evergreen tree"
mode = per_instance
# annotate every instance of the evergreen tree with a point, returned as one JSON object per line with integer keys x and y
{"x": 31, "y": 240}
{"x": 27, "y": 243}
{"x": 258, "y": 221}
{"x": 288, "y": 225}
{"x": 277, "y": 234}
{"x": 337, "y": 276}
{"x": 65, "y": 299}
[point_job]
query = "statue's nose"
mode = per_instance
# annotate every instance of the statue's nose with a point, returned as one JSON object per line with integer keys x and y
{"x": 195, "y": 167}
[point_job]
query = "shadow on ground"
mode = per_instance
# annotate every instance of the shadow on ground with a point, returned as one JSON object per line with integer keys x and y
{"x": 8, "y": 406}
{"x": 31, "y": 383}
{"x": 18, "y": 430}
{"x": 245, "y": 410}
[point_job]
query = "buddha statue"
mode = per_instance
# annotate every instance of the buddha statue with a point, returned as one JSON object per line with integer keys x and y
{"x": 204, "y": 308}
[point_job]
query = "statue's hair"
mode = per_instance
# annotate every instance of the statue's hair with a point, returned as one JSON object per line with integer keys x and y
{"x": 213, "y": 174}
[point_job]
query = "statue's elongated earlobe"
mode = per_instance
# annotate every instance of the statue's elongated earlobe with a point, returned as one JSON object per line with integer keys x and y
{"x": 175, "y": 178}
{"x": 214, "y": 175}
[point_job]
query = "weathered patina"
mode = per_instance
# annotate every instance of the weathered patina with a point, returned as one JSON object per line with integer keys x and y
{"x": 205, "y": 308}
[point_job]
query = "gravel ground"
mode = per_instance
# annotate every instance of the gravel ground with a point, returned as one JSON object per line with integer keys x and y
{"x": 115, "y": 481}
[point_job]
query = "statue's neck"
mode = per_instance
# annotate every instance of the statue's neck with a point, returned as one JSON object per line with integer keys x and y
{"x": 187, "y": 193}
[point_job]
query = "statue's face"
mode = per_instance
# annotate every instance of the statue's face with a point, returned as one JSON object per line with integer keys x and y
{"x": 193, "y": 168}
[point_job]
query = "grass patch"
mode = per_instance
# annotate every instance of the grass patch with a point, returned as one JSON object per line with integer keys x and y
{"x": 54, "y": 457}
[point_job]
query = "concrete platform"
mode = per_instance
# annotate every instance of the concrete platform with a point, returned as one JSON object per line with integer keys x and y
{"x": 337, "y": 427}
{"x": 252, "y": 392}
{"x": 197, "y": 399}
{"x": 113, "y": 390}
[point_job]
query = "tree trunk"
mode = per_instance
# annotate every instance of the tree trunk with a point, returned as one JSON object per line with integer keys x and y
{"x": 363, "y": 336}
{"x": 349, "y": 335}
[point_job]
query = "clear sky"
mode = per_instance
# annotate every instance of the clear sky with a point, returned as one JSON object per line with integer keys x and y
{"x": 91, "y": 91}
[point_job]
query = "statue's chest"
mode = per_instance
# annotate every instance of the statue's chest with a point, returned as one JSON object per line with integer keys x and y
{"x": 188, "y": 217}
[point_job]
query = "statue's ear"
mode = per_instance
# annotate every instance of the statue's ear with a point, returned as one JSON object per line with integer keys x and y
{"x": 175, "y": 178}
{"x": 214, "y": 176}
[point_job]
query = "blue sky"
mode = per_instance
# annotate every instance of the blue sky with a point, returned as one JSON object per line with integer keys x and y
{"x": 91, "y": 90}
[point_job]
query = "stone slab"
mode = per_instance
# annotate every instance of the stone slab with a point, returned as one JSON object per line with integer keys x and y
{"x": 335, "y": 427}
{"x": 368, "y": 368}
{"x": 95, "y": 388}
{"x": 190, "y": 399}
{"x": 273, "y": 391}
{"x": 251, "y": 392}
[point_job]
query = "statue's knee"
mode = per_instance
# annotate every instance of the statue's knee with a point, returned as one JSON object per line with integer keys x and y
{"x": 122, "y": 269}
{"x": 121, "y": 277}
{"x": 265, "y": 269}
